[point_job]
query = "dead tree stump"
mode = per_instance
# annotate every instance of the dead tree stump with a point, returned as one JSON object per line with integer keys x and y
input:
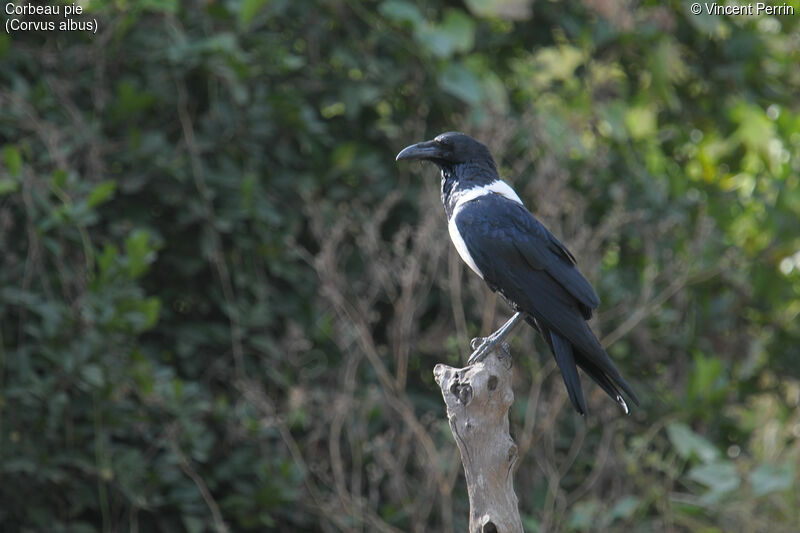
{"x": 477, "y": 398}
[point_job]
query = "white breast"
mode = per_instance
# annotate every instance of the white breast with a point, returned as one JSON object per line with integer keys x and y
{"x": 461, "y": 246}
{"x": 496, "y": 187}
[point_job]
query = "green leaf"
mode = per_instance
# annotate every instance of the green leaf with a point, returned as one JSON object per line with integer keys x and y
{"x": 770, "y": 478}
{"x": 400, "y": 11}
{"x": 150, "y": 308}
{"x": 249, "y": 9}
{"x": 59, "y": 178}
{"x": 495, "y": 91}
{"x": 93, "y": 375}
{"x": 101, "y": 192}
{"x": 131, "y": 100}
{"x": 720, "y": 477}
{"x": 293, "y": 62}
{"x": 333, "y": 110}
{"x": 106, "y": 259}
{"x": 755, "y": 130}
{"x": 12, "y": 159}
{"x": 688, "y": 443}
{"x": 583, "y": 516}
{"x": 641, "y": 122}
{"x": 623, "y": 509}
{"x": 504, "y": 9}
{"x": 455, "y": 34}
{"x": 5, "y": 43}
{"x": 556, "y": 63}
{"x": 8, "y": 185}
{"x": 142, "y": 372}
{"x": 460, "y": 29}
{"x": 461, "y": 83}
{"x": 343, "y": 156}
{"x": 707, "y": 379}
{"x": 139, "y": 252}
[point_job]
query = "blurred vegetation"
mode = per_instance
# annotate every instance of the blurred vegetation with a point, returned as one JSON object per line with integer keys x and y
{"x": 221, "y": 300}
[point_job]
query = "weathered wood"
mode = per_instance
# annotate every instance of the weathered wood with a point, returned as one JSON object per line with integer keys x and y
{"x": 477, "y": 398}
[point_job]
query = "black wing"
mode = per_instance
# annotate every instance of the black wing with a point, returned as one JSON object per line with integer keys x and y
{"x": 511, "y": 234}
{"x": 536, "y": 273}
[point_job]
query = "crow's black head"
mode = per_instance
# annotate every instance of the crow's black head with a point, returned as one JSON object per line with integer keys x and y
{"x": 449, "y": 149}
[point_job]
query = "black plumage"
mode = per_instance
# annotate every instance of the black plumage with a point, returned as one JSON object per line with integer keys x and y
{"x": 520, "y": 259}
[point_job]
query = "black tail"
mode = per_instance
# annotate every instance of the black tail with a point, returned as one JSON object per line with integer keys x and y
{"x": 609, "y": 383}
{"x": 562, "y": 350}
{"x": 568, "y": 359}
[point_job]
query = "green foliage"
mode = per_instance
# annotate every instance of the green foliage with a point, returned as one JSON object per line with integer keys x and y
{"x": 221, "y": 300}
{"x": 689, "y": 444}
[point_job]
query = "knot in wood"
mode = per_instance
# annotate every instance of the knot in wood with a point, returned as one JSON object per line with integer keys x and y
{"x": 462, "y": 391}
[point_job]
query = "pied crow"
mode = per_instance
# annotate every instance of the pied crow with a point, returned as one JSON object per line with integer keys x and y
{"x": 504, "y": 244}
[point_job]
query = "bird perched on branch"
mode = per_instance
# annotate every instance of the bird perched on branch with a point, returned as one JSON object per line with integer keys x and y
{"x": 504, "y": 244}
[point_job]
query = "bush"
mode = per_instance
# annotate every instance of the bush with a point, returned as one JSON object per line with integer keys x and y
{"x": 222, "y": 301}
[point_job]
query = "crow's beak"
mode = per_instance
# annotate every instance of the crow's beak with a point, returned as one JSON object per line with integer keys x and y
{"x": 423, "y": 150}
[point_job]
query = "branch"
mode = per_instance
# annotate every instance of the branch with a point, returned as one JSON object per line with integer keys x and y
{"x": 477, "y": 399}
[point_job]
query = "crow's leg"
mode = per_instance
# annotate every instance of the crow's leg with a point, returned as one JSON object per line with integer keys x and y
{"x": 488, "y": 343}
